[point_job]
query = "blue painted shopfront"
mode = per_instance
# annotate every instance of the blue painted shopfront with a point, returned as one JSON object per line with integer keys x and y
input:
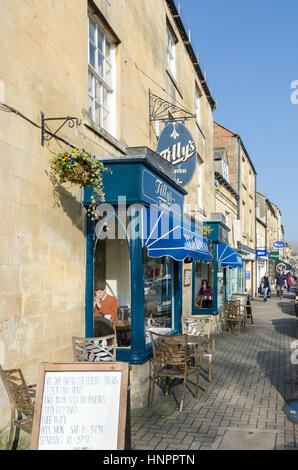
{"x": 224, "y": 260}
{"x": 145, "y": 201}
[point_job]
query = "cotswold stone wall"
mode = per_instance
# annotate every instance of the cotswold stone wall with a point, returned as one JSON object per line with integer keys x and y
{"x": 44, "y": 67}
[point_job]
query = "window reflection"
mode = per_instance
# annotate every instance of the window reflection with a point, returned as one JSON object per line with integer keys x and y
{"x": 220, "y": 287}
{"x": 158, "y": 293}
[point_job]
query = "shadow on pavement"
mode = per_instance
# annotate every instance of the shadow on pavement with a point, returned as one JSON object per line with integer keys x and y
{"x": 276, "y": 367}
{"x": 287, "y": 307}
{"x": 286, "y": 326}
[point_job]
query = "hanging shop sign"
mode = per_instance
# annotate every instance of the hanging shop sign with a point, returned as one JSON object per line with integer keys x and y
{"x": 279, "y": 244}
{"x": 177, "y": 146}
{"x": 274, "y": 255}
{"x": 261, "y": 253}
{"x": 282, "y": 266}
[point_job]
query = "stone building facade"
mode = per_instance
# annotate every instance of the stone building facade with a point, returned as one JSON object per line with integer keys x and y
{"x": 80, "y": 59}
{"x": 242, "y": 178}
{"x": 226, "y": 198}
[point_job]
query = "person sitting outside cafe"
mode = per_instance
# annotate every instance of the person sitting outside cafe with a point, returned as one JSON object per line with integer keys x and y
{"x": 207, "y": 293}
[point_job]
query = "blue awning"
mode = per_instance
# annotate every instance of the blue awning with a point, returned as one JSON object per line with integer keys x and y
{"x": 227, "y": 256}
{"x": 166, "y": 235}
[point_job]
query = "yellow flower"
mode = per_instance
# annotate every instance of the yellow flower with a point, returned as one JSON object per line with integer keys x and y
{"x": 74, "y": 150}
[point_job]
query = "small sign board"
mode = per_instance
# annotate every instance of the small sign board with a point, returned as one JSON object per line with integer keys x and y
{"x": 261, "y": 253}
{"x": 274, "y": 254}
{"x": 279, "y": 244}
{"x": 81, "y": 406}
{"x": 247, "y": 275}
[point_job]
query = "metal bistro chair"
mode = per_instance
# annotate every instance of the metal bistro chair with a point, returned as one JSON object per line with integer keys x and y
{"x": 94, "y": 349}
{"x": 201, "y": 326}
{"x": 21, "y": 397}
{"x": 245, "y": 305}
{"x": 234, "y": 315}
{"x": 171, "y": 361}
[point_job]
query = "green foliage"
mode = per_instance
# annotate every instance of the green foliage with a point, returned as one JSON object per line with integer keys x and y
{"x": 207, "y": 230}
{"x": 79, "y": 167}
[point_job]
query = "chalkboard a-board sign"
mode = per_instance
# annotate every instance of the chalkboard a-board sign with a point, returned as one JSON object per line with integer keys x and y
{"x": 80, "y": 406}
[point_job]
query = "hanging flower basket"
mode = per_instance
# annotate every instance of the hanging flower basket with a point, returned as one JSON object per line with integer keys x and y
{"x": 79, "y": 167}
{"x": 206, "y": 232}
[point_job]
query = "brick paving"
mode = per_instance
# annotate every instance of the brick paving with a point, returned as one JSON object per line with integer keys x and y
{"x": 252, "y": 378}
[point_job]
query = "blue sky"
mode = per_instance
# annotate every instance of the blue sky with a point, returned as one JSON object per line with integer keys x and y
{"x": 249, "y": 50}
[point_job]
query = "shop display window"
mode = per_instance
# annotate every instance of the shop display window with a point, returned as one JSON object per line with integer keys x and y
{"x": 158, "y": 294}
{"x": 220, "y": 287}
{"x": 203, "y": 285}
{"x": 112, "y": 284}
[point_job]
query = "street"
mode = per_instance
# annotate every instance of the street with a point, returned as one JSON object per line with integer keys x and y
{"x": 242, "y": 408}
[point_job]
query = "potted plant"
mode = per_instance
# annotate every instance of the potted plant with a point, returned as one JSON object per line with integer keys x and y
{"x": 79, "y": 167}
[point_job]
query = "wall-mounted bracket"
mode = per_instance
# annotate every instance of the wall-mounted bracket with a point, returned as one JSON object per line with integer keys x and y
{"x": 162, "y": 110}
{"x": 47, "y": 135}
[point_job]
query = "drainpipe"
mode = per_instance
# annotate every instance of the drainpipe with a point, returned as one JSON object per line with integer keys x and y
{"x": 256, "y": 264}
{"x": 238, "y": 138}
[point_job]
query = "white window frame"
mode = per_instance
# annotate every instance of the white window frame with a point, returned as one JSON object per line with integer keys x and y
{"x": 198, "y": 105}
{"x": 225, "y": 170}
{"x": 243, "y": 219}
{"x": 243, "y": 170}
{"x": 171, "y": 52}
{"x": 102, "y": 114}
{"x": 199, "y": 184}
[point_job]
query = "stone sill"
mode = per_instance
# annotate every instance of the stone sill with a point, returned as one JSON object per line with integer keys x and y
{"x": 106, "y": 136}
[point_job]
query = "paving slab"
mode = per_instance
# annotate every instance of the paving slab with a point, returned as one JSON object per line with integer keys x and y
{"x": 252, "y": 379}
{"x": 248, "y": 440}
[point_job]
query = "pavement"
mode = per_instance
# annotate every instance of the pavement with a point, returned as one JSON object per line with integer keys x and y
{"x": 253, "y": 376}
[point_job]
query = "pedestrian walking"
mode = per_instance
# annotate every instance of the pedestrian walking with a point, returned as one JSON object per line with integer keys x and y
{"x": 289, "y": 282}
{"x": 279, "y": 283}
{"x": 265, "y": 285}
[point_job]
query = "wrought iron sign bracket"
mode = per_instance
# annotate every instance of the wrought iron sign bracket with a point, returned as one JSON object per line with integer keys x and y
{"x": 162, "y": 110}
{"x": 47, "y": 135}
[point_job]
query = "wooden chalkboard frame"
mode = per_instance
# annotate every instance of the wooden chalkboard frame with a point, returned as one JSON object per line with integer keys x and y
{"x": 84, "y": 366}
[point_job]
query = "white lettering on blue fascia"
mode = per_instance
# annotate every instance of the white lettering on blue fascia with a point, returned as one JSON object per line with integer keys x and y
{"x": 177, "y": 154}
{"x": 196, "y": 244}
{"x": 163, "y": 192}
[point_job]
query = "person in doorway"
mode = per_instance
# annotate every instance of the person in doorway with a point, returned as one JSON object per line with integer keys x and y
{"x": 265, "y": 285}
{"x": 279, "y": 283}
{"x": 289, "y": 282}
{"x": 104, "y": 304}
{"x": 207, "y": 293}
